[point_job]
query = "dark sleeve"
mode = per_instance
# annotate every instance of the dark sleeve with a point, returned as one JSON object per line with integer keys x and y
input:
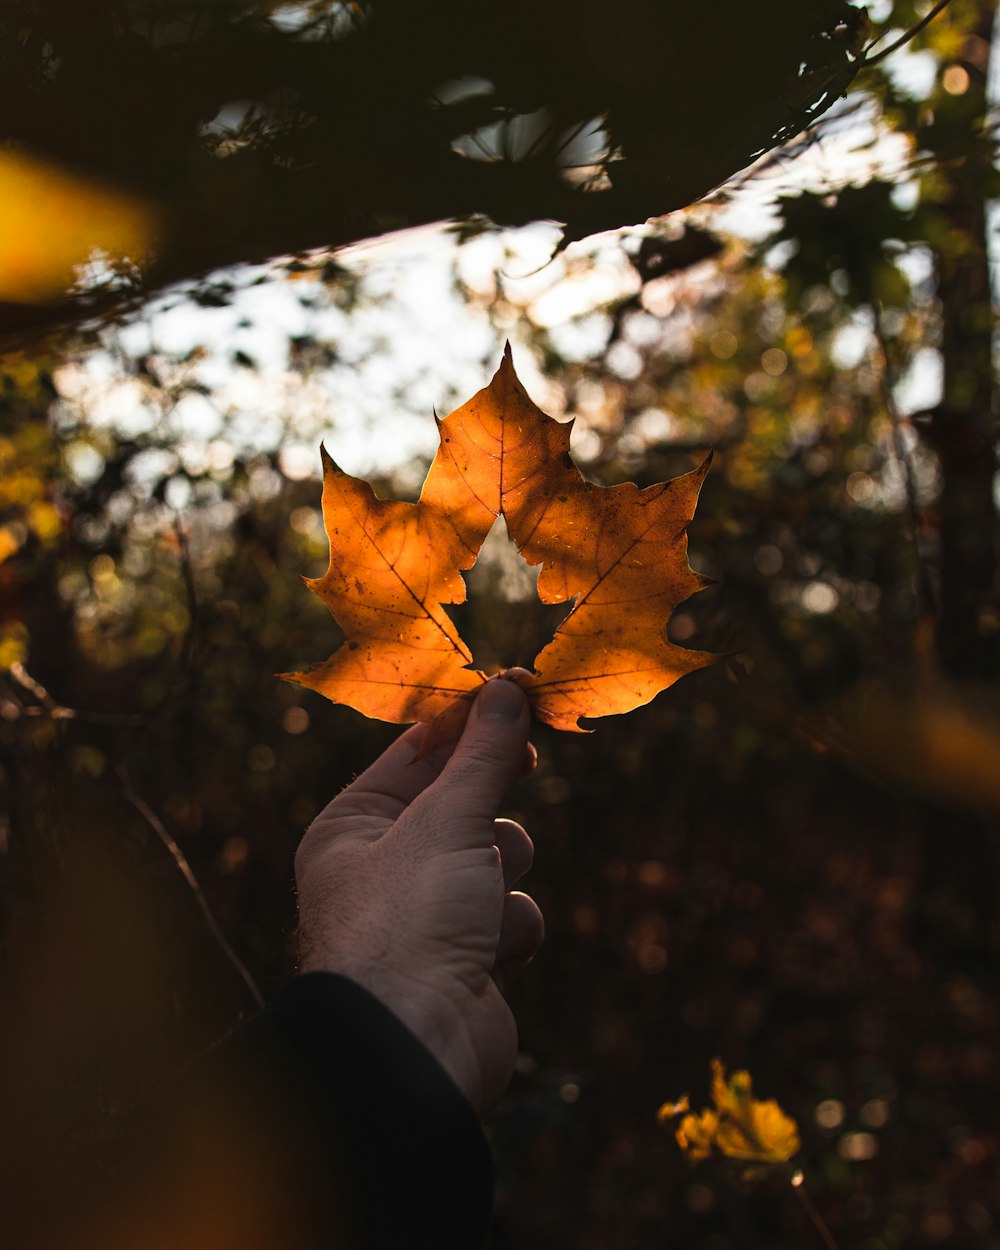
{"x": 321, "y": 1124}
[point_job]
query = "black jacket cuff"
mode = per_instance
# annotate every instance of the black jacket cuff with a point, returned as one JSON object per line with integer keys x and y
{"x": 376, "y": 1123}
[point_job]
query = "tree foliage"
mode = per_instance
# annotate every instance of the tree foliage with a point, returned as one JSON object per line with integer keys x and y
{"x": 260, "y": 129}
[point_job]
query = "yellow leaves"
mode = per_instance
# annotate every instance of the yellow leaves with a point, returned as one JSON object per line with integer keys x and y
{"x": 753, "y": 1132}
{"x": 30, "y": 519}
{"x": 739, "y": 1126}
{"x": 27, "y": 459}
{"x": 52, "y": 221}
{"x": 10, "y": 542}
{"x": 13, "y": 644}
{"x": 696, "y": 1134}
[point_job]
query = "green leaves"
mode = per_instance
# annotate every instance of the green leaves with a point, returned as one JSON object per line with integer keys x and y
{"x": 855, "y": 233}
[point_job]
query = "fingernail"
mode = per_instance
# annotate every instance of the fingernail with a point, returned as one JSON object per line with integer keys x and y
{"x": 501, "y": 700}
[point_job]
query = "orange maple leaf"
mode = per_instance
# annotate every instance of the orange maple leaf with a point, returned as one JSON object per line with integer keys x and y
{"x": 620, "y": 552}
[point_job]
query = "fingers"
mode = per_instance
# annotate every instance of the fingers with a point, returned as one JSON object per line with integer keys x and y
{"x": 522, "y": 931}
{"x": 486, "y": 762}
{"x": 400, "y": 773}
{"x": 395, "y": 779}
{"x": 517, "y": 851}
{"x": 522, "y": 928}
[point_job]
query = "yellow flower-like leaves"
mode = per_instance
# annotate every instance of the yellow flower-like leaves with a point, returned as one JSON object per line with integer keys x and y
{"x": 697, "y": 1134}
{"x": 739, "y": 1126}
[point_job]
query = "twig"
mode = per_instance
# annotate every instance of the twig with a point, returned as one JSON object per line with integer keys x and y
{"x": 116, "y": 720}
{"x": 925, "y": 596}
{"x": 27, "y": 682}
{"x": 55, "y": 711}
{"x": 180, "y": 860}
{"x": 868, "y": 61}
{"x": 817, "y": 1221}
{"x": 188, "y": 645}
{"x": 474, "y": 136}
{"x": 572, "y": 136}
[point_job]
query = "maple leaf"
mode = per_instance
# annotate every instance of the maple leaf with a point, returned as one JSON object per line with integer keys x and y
{"x": 740, "y": 1126}
{"x": 618, "y": 553}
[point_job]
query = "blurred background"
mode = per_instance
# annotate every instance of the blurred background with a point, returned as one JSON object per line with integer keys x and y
{"x": 233, "y": 231}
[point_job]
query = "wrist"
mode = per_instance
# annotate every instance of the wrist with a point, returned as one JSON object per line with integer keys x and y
{"x": 428, "y": 1012}
{"x": 440, "y": 1027}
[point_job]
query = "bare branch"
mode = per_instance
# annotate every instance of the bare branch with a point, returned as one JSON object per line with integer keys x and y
{"x": 25, "y": 680}
{"x": 179, "y": 858}
{"x": 868, "y": 61}
{"x": 14, "y": 709}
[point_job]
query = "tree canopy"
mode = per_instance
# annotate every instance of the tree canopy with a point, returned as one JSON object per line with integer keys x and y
{"x": 250, "y": 130}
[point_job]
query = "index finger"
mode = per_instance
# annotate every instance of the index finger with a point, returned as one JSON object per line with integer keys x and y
{"x": 404, "y": 770}
{"x": 388, "y": 786}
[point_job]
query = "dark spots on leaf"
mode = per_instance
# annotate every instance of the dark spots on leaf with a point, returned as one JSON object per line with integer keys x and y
{"x": 353, "y": 646}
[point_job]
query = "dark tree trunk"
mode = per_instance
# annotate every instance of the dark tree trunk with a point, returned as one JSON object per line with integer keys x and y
{"x": 963, "y": 429}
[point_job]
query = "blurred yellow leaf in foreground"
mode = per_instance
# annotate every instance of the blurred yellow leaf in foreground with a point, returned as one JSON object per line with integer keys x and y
{"x": 739, "y": 1127}
{"x": 941, "y": 741}
{"x": 53, "y": 221}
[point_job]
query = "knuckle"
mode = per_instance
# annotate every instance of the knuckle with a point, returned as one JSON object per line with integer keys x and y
{"x": 305, "y": 853}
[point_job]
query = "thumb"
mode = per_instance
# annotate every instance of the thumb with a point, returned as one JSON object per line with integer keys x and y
{"x": 487, "y": 761}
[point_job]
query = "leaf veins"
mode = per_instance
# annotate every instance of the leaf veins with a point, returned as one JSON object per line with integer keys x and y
{"x": 619, "y": 552}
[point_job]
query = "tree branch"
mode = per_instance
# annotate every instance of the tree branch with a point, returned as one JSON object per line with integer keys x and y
{"x": 179, "y": 858}
{"x": 868, "y": 61}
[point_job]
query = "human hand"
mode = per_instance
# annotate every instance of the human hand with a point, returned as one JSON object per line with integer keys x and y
{"x": 404, "y": 886}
